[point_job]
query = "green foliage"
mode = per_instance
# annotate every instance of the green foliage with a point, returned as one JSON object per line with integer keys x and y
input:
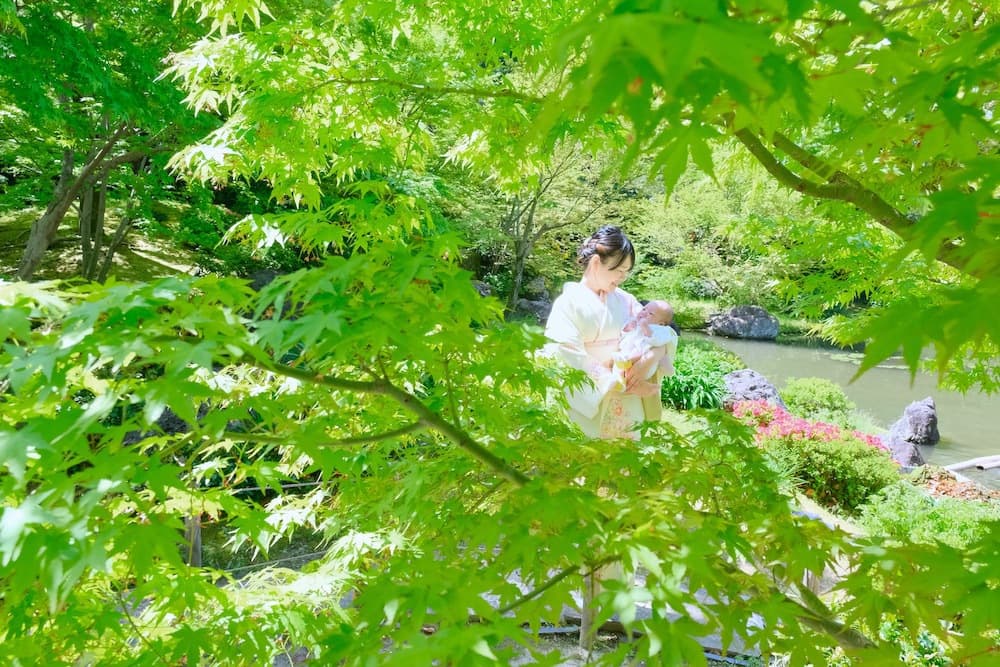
{"x": 387, "y": 503}
{"x": 925, "y": 651}
{"x": 380, "y": 372}
{"x": 204, "y": 222}
{"x": 905, "y": 513}
{"x": 697, "y": 245}
{"x": 817, "y": 398}
{"x": 86, "y": 111}
{"x": 693, "y": 315}
{"x": 839, "y": 473}
{"x": 698, "y": 378}
{"x": 920, "y": 650}
{"x": 772, "y": 76}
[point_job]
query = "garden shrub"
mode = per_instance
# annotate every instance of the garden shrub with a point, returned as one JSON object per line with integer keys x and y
{"x": 697, "y": 381}
{"x": 817, "y": 398}
{"x": 840, "y": 473}
{"x": 905, "y": 513}
{"x": 837, "y": 467}
{"x": 922, "y": 650}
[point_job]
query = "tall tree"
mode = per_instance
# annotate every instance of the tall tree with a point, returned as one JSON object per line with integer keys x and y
{"x": 566, "y": 190}
{"x": 82, "y": 80}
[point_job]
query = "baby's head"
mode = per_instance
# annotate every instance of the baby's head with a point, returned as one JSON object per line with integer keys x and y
{"x": 656, "y": 312}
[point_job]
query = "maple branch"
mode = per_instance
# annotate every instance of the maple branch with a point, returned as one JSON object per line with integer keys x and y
{"x": 565, "y": 573}
{"x": 437, "y": 90}
{"x": 135, "y": 628}
{"x": 409, "y": 402}
{"x": 839, "y": 186}
{"x": 336, "y": 442}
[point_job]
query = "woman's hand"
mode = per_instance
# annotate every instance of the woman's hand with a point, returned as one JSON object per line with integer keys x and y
{"x": 643, "y": 388}
{"x": 642, "y": 368}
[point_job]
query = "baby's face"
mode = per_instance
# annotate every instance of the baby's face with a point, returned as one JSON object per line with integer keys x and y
{"x": 652, "y": 314}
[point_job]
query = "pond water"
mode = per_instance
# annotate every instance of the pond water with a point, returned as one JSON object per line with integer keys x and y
{"x": 969, "y": 423}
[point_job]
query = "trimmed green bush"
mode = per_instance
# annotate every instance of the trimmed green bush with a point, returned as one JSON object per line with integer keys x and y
{"x": 841, "y": 472}
{"x": 697, "y": 382}
{"x": 903, "y": 512}
{"x": 817, "y": 398}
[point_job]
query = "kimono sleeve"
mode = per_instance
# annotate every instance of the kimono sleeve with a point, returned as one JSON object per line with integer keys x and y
{"x": 563, "y": 329}
{"x": 633, "y": 304}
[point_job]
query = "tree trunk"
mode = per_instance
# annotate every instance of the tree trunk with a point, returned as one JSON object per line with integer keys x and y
{"x": 93, "y": 203}
{"x": 192, "y": 539}
{"x": 521, "y": 253}
{"x": 116, "y": 241}
{"x": 43, "y": 231}
{"x": 86, "y": 228}
{"x": 522, "y": 248}
{"x": 126, "y": 222}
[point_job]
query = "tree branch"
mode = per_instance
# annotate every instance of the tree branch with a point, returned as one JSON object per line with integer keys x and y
{"x": 546, "y": 228}
{"x": 434, "y": 90}
{"x": 565, "y": 573}
{"x": 839, "y": 186}
{"x": 135, "y": 628}
{"x": 336, "y": 442}
{"x": 814, "y": 614}
{"x": 455, "y": 434}
{"x": 409, "y": 402}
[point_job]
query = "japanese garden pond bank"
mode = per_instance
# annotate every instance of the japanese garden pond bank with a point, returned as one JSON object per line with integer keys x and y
{"x": 969, "y": 423}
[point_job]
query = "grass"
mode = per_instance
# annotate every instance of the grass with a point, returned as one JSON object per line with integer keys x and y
{"x": 141, "y": 258}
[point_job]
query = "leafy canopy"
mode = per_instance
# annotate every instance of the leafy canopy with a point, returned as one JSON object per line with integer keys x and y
{"x": 441, "y": 470}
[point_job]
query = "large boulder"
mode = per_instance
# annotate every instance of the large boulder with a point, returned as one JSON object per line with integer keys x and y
{"x": 917, "y": 426}
{"x": 539, "y": 309}
{"x": 919, "y": 423}
{"x": 744, "y": 322}
{"x": 749, "y": 385}
{"x": 536, "y": 290}
{"x": 904, "y": 453}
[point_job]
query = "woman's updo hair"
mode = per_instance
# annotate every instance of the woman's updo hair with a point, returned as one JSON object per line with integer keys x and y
{"x": 610, "y": 244}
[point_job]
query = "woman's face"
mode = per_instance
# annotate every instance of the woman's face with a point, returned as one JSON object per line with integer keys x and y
{"x": 602, "y": 278}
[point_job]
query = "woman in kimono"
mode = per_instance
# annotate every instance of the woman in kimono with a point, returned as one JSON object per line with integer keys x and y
{"x": 584, "y": 328}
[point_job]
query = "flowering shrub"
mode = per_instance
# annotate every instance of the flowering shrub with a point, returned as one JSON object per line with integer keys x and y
{"x": 773, "y": 421}
{"x": 835, "y": 466}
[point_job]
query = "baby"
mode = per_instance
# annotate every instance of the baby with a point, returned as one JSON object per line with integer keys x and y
{"x": 647, "y": 336}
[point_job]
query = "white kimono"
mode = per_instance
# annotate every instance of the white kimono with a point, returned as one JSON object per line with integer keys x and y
{"x": 585, "y": 332}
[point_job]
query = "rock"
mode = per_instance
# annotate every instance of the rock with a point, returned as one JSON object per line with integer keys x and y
{"x": 749, "y": 385}
{"x": 535, "y": 289}
{"x": 299, "y": 656}
{"x": 539, "y": 309}
{"x": 170, "y": 423}
{"x": 918, "y": 423}
{"x": 482, "y": 288}
{"x": 917, "y": 426}
{"x": 262, "y": 278}
{"x": 744, "y": 322}
{"x": 904, "y": 453}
